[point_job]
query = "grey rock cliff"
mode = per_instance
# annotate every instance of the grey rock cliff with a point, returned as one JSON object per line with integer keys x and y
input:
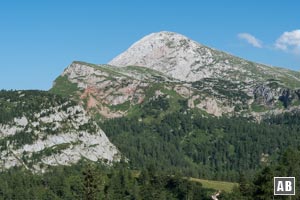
{"x": 59, "y": 135}
{"x": 187, "y": 60}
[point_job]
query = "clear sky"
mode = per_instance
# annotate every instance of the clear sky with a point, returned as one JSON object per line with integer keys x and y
{"x": 38, "y": 39}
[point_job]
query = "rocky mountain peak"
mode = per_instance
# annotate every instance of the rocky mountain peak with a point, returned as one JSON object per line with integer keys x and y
{"x": 165, "y": 62}
{"x": 167, "y": 52}
{"x": 182, "y": 58}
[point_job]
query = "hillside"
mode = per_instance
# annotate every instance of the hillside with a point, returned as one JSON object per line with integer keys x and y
{"x": 168, "y": 107}
{"x": 184, "y": 59}
{"x": 114, "y": 91}
{"x": 169, "y": 63}
{"x": 38, "y": 129}
{"x": 210, "y": 126}
{"x": 216, "y": 185}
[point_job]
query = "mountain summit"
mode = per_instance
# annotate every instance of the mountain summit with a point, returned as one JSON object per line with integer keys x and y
{"x": 167, "y": 52}
{"x": 186, "y": 60}
{"x": 171, "y": 66}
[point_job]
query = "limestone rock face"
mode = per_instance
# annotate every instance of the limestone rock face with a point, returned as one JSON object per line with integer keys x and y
{"x": 54, "y": 135}
{"x": 228, "y": 84}
{"x": 169, "y": 53}
{"x": 174, "y": 66}
{"x": 105, "y": 89}
{"x": 187, "y": 60}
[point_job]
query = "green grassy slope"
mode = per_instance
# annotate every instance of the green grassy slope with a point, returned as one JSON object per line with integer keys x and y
{"x": 216, "y": 185}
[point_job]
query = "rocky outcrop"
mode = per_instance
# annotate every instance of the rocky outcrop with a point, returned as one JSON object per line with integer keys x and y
{"x": 170, "y": 53}
{"x": 210, "y": 80}
{"x": 182, "y": 58}
{"x": 112, "y": 91}
{"x": 60, "y": 135}
{"x": 266, "y": 95}
{"x": 104, "y": 89}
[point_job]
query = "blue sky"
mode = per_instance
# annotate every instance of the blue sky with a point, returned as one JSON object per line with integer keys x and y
{"x": 38, "y": 39}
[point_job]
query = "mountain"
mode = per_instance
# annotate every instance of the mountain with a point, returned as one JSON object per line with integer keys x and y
{"x": 168, "y": 106}
{"x": 171, "y": 64}
{"x": 110, "y": 91}
{"x": 186, "y": 60}
{"x": 204, "y": 126}
{"x": 38, "y": 129}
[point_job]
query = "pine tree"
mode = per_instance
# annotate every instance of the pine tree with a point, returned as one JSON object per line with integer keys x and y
{"x": 90, "y": 183}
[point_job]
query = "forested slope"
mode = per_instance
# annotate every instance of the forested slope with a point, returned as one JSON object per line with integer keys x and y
{"x": 200, "y": 145}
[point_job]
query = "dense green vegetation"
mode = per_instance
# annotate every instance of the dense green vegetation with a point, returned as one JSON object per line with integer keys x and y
{"x": 222, "y": 88}
{"x": 260, "y": 187}
{"x": 166, "y": 143}
{"x": 200, "y": 146}
{"x": 93, "y": 181}
{"x": 18, "y": 103}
